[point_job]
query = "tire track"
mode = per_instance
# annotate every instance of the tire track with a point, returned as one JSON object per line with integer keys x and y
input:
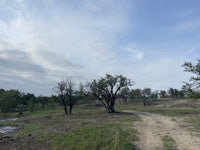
{"x": 153, "y": 126}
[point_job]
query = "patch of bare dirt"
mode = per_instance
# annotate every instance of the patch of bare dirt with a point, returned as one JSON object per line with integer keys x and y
{"x": 22, "y": 143}
{"x": 153, "y": 126}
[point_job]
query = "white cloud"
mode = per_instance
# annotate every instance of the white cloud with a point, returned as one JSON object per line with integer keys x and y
{"x": 161, "y": 73}
{"x": 136, "y": 54}
{"x": 62, "y": 41}
{"x": 42, "y": 42}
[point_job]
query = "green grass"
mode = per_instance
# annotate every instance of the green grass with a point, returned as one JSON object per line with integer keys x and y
{"x": 168, "y": 111}
{"x": 181, "y": 112}
{"x": 109, "y": 137}
{"x": 33, "y": 114}
{"x": 86, "y": 110}
{"x": 90, "y": 127}
{"x": 30, "y": 129}
{"x": 168, "y": 143}
{"x": 86, "y": 128}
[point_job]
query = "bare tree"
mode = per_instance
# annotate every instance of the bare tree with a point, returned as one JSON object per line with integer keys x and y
{"x": 73, "y": 96}
{"x": 61, "y": 90}
{"x": 69, "y": 94}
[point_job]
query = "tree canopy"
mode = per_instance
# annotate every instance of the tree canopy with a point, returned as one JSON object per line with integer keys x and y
{"x": 107, "y": 88}
{"x": 194, "y": 81}
{"x": 68, "y": 94}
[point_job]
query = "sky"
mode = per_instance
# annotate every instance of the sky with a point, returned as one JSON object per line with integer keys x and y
{"x": 45, "y": 41}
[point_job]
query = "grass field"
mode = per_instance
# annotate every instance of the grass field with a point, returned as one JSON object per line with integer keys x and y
{"x": 85, "y": 128}
{"x": 91, "y": 127}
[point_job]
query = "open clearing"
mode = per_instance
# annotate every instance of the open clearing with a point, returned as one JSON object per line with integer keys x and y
{"x": 91, "y": 128}
{"x": 173, "y": 125}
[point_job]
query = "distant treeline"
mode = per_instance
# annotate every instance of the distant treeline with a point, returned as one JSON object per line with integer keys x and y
{"x": 106, "y": 89}
{"x": 16, "y": 101}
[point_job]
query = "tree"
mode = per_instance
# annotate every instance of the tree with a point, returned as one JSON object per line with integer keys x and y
{"x": 42, "y": 100}
{"x": 10, "y": 100}
{"x": 187, "y": 89}
{"x": 74, "y": 95}
{"x": 181, "y": 94}
{"x": 61, "y": 90}
{"x": 173, "y": 92}
{"x": 107, "y": 88}
{"x": 146, "y": 92}
{"x": 135, "y": 94}
{"x": 163, "y": 93}
{"x": 14, "y": 100}
{"x": 52, "y": 100}
{"x": 194, "y": 82}
{"x": 68, "y": 94}
{"x": 24, "y": 101}
{"x": 124, "y": 94}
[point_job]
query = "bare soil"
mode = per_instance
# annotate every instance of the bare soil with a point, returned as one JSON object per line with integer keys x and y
{"x": 153, "y": 126}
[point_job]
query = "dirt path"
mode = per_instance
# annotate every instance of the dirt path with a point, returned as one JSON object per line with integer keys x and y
{"x": 154, "y": 126}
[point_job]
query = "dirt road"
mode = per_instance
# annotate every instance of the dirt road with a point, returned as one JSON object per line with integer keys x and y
{"x": 154, "y": 126}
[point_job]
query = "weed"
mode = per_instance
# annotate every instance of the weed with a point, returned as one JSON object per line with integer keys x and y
{"x": 169, "y": 143}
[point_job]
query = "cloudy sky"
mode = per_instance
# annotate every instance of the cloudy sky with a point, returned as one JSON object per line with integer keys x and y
{"x": 44, "y": 41}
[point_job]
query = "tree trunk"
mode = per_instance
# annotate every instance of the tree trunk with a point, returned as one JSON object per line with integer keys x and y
{"x": 112, "y": 110}
{"x": 111, "y": 106}
{"x": 21, "y": 110}
{"x": 65, "y": 106}
{"x": 70, "y": 109}
{"x": 107, "y": 108}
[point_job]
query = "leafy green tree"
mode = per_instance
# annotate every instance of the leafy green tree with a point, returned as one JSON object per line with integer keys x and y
{"x": 181, "y": 94}
{"x": 107, "y": 88}
{"x": 124, "y": 94}
{"x": 42, "y": 100}
{"x": 10, "y": 101}
{"x": 52, "y": 100}
{"x": 14, "y": 100}
{"x": 163, "y": 93}
{"x": 2, "y": 91}
{"x": 146, "y": 92}
{"x": 175, "y": 93}
{"x": 147, "y": 96}
{"x": 135, "y": 93}
{"x": 195, "y": 69}
{"x": 24, "y": 101}
{"x": 172, "y": 92}
{"x": 32, "y": 103}
{"x": 194, "y": 82}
